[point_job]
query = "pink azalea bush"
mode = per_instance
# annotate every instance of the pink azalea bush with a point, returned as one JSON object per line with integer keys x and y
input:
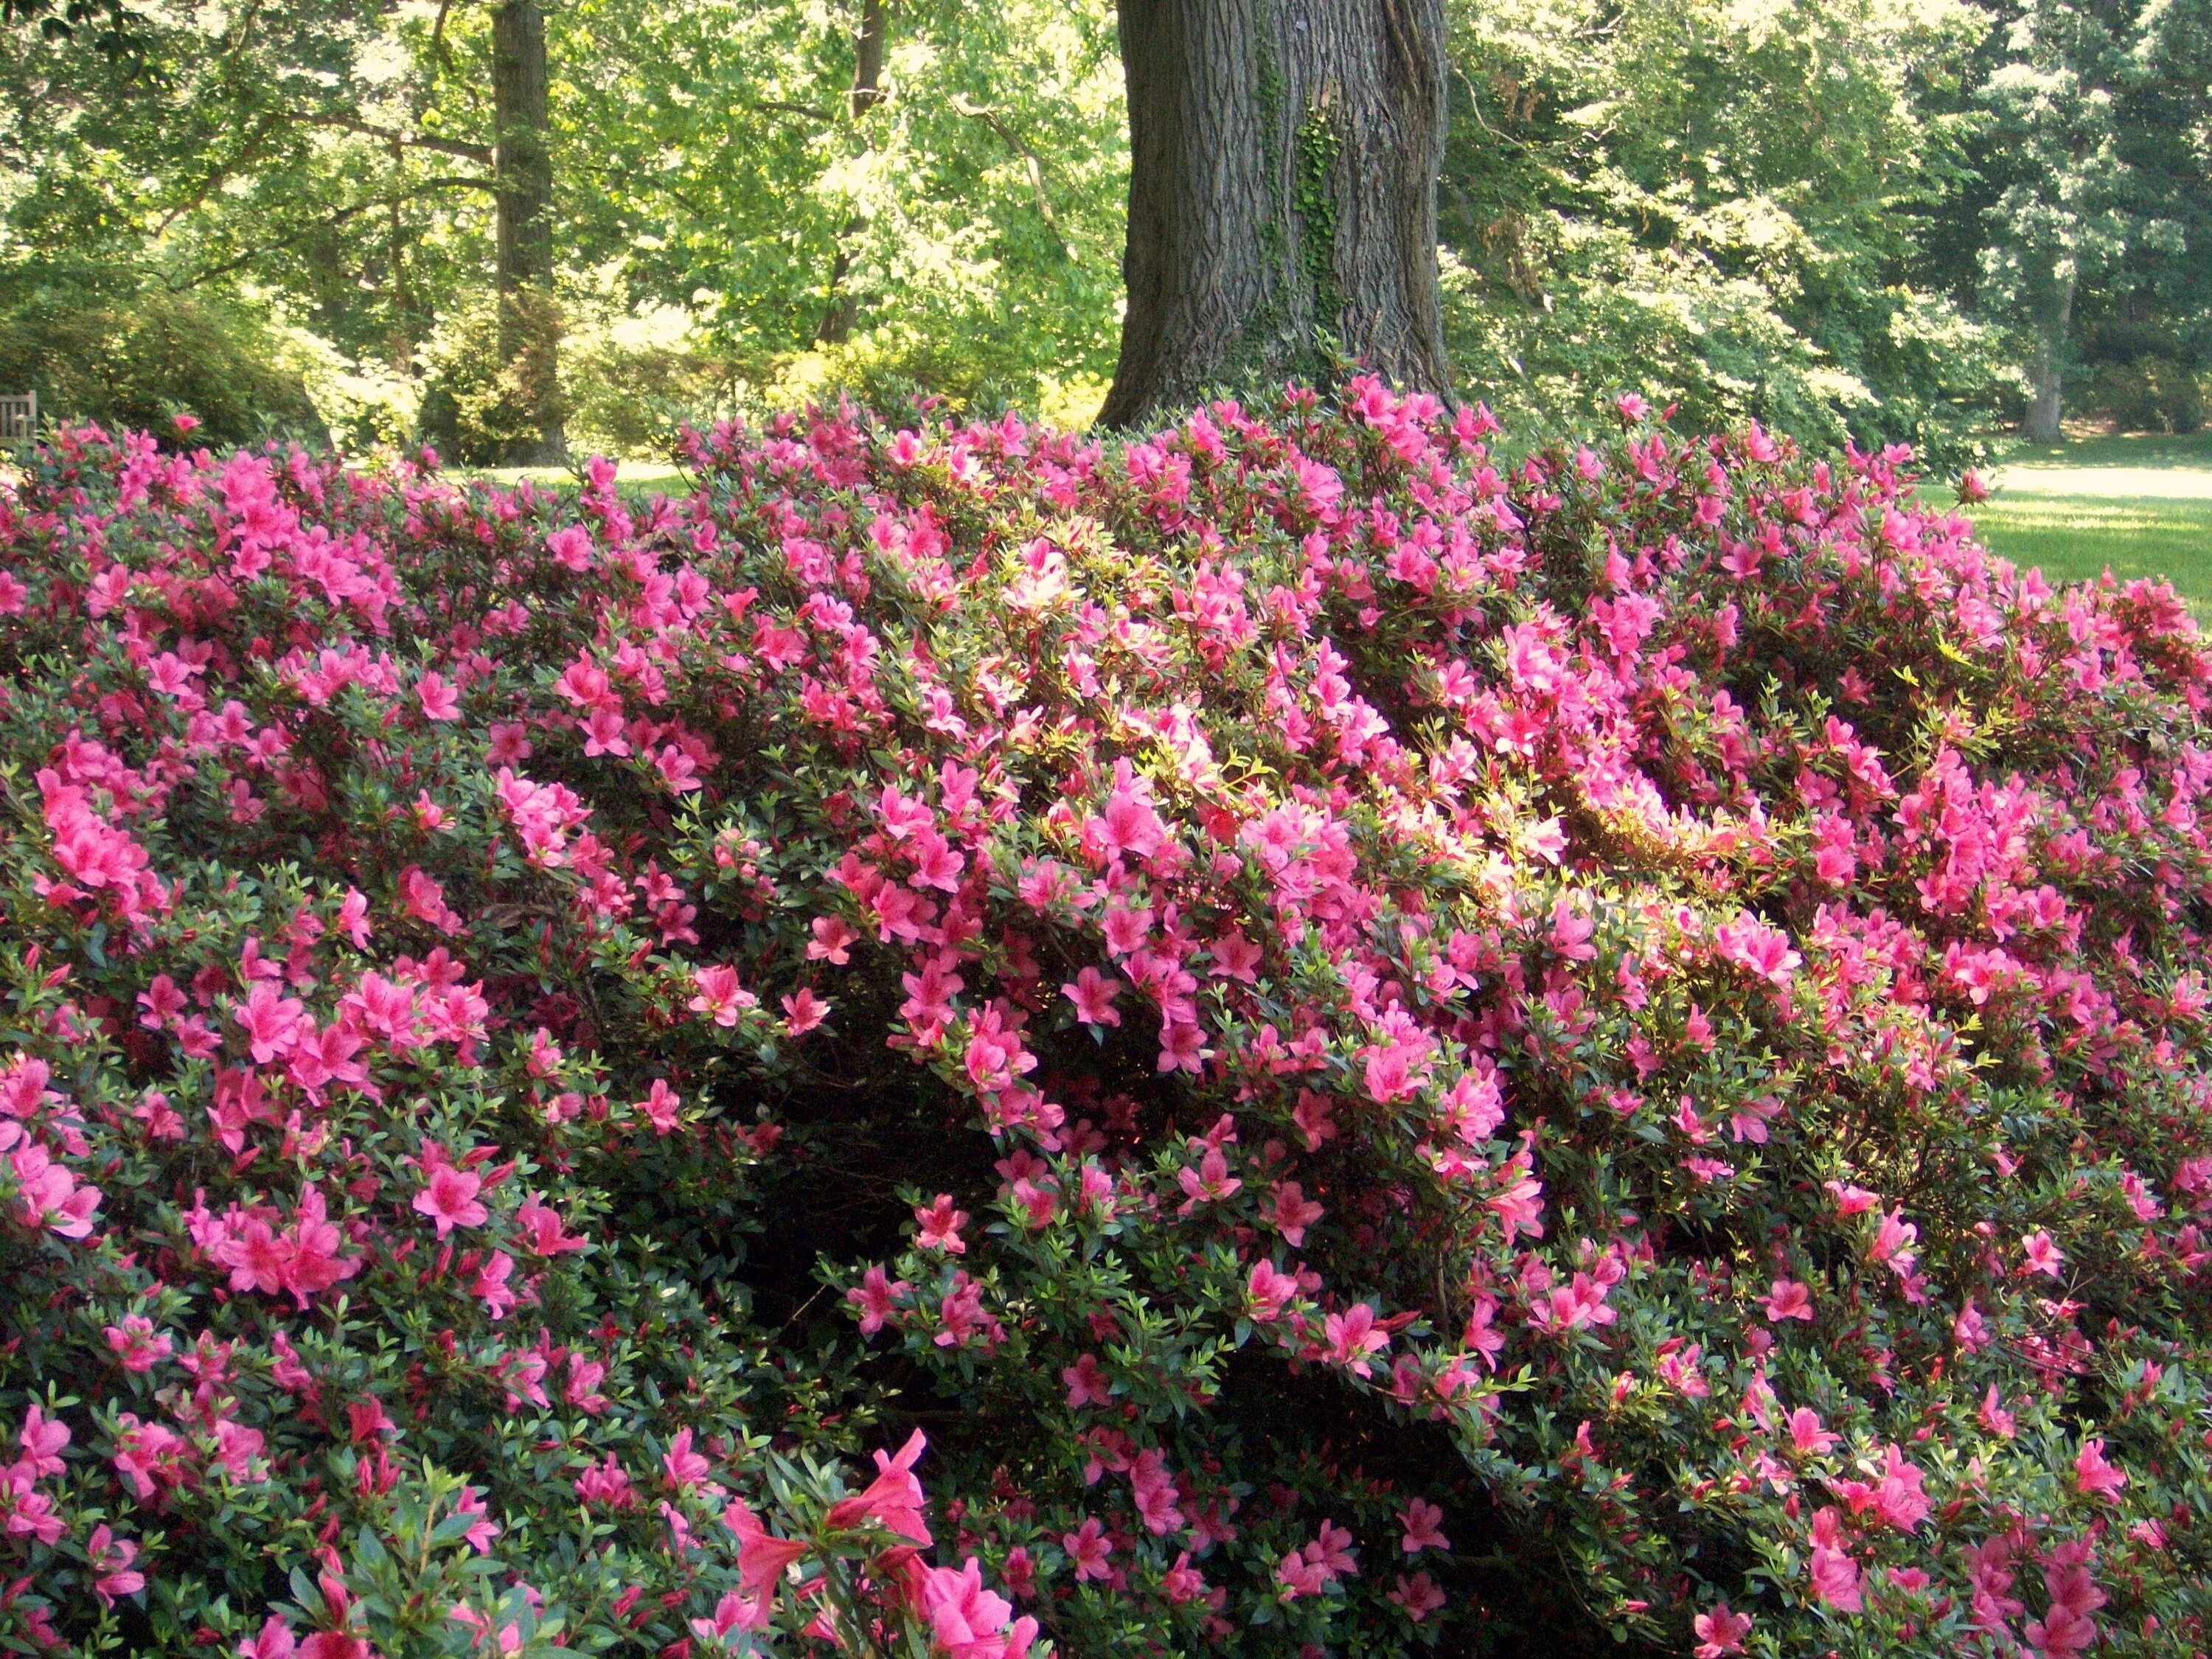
{"x": 1349, "y": 1046}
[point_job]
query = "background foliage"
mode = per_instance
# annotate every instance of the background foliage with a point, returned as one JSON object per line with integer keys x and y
{"x": 1843, "y": 217}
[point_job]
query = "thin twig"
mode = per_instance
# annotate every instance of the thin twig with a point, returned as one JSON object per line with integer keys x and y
{"x": 992, "y": 119}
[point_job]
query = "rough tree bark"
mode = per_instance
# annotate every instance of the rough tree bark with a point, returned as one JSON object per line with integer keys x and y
{"x": 1283, "y": 156}
{"x": 529, "y": 326}
{"x": 843, "y": 309}
{"x": 2047, "y": 375}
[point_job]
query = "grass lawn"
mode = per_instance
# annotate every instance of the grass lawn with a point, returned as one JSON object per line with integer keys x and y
{"x": 636, "y": 480}
{"x": 2137, "y": 505}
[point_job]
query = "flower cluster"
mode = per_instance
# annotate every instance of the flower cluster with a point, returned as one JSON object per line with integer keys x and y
{"x": 1388, "y": 1047}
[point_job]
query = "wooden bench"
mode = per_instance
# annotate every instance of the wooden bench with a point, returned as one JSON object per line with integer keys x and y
{"x": 19, "y": 417}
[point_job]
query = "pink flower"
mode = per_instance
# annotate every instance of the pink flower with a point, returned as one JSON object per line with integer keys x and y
{"x": 1312, "y": 1570}
{"x": 507, "y": 1639}
{"x": 803, "y": 1011}
{"x": 1182, "y": 1581}
{"x": 1806, "y": 1435}
{"x": 48, "y": 1195}
{"x": 1752, "y": 944}
{"x": 893, "y": 1498}
{"x": 1720, "y": 1632}
{"x": 423, "y": 897}
{"x": 1899, "y": 1500}
{"x": 1420, "y": 1518}
{"x": 1354, "y": 1334}
{"x": 719, "y": 996}
{"x": 1788, "y": 1299}
{"x": 440, "y": 700}
{"x": 42, "y": 1439}
{"x": 734, "y": 1612}
{"x": 833, "y": 936}
{"x": 660, "y": 1106}
{"x": 2042, "y": 1256}
{"x": 541, "y": 1228}
{"x": 490, "y": 1287}
{"x": 1419, "y": 1596}
{"x": 967, "y": 1621}
{"x": 571, "y": 546}
{"x": 1089, "y": 1549}
{"x": 271, "y": 1020}
{"x": 1835, "y": 1578}
{"x": 606, "y": 1484}
{"x": 1210, "y": 1182}
{"x": 1154, "y": 1490}
{"x": 1293, "y": 1212}
{"x": 762, "y": 1555}
{"x": 1087, "y": 1385}
{"x": 1093, "y": 993}
{"x": 1995, "y": 1418}
{"x": 2092, "y": 1476}
{"x": 1130, "y": 825}
{"x": 111, "y": 1560}
{"x": 138, "y": 1344}
{"x": 1268, "y": 1290}
{"x": 449, "y": 1199}
{"x": 940, "y": 1226}
{"x": 1297, "y": 1577}
{"x": 1182, "y": 1047}
{"x": 876, "y": 1295}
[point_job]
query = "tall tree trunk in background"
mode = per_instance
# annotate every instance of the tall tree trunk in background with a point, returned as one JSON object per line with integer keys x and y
{"x": 401, "y": 344}
{"x": 844, "y": 307}
{"x": 529, "y": 323}
{"x": 2047, "y": 375}
{"x": 1283, "y": 163}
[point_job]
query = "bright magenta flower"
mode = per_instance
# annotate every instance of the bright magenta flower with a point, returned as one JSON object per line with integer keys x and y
{"x": 449, "y": 1199}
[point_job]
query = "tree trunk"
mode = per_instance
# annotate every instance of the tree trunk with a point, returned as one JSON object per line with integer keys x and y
{"x": 2047, "y": 375}
{"x": 401, "y": 346}
{"x": 1283, "y": 163}
{"x": 529, "y": 324}
{"x": 843, "y": 309}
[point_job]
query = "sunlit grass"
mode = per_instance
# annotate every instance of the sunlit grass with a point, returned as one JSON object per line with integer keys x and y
{"x": 2140, "y": 506}
{"x": 630, "y": 476}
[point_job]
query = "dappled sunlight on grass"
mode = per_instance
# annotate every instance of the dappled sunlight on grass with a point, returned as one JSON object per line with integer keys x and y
{"x": 2138, "y": 506}
{"x": 661, "y": 474}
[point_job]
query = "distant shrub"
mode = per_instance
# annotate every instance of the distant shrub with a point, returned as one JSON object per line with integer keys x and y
{"x": 1593, "y": 312}
{"x": 635, "y": 384}
{"x": 1362, "y": 1050}
{"x": 2148, "y": 394}
{"x": 130, "y": 357}
{"x": 477, "y": 408}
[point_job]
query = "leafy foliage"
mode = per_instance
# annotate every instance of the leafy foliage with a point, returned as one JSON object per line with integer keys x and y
{"x": 1719, "y": 205}
{"x": 131, "y": 356}
{"x": 1379, "y": 1050}
{"x": 1847, "y": 219}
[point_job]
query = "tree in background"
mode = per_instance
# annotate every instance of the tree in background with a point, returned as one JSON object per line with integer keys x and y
{"x": 943, "y": 218}
{"x": 2099, "y": 211}
{"x": 529, "y": 320}
{"x": 497, "y": 224}
{"x": 2060, "y": 218}
{"x": 1282, "y": 194}
{"x": 1725, "y": 205}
